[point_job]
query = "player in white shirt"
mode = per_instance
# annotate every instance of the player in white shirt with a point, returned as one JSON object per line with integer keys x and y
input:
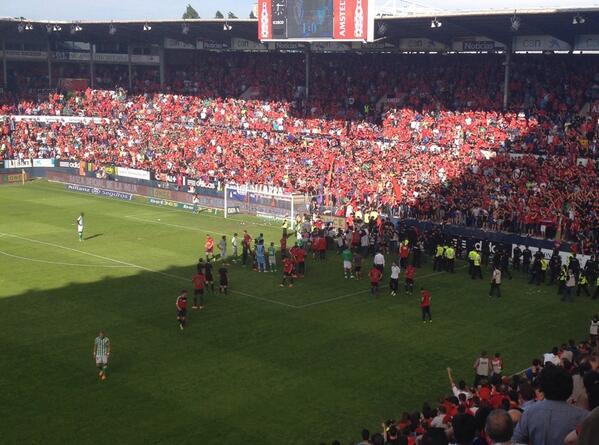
{"x": 79, "y": 222}
{"x": 594, "y": 328}
{"x": 234, "y": 243}
{"x": 394, "y": 282}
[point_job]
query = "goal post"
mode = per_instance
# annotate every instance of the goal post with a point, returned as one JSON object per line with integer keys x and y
{"x": 271, "y": 203}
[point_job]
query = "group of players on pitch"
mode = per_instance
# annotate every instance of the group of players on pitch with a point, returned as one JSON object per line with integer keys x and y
{"x": 263, "y": 259}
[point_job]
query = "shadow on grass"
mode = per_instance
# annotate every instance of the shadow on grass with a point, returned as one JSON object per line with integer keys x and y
{"x": 93, "y": 236}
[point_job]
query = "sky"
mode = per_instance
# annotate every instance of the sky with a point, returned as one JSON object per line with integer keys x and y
{"x": 173, "y": 9}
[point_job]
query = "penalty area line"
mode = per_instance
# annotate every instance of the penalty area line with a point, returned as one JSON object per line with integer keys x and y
{"x": 341, "y": 297}
{"x": 137, "y": 266}
{"x": 179, "y": 226}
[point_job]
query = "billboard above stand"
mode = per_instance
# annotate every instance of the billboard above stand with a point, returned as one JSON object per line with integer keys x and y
{"x": 316, "y": 20}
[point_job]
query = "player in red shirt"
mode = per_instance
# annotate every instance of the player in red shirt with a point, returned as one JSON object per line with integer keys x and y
{"x": 410, "y": 273}
{"x": 288, "y": 267}
{"x": 199, "y": 281}
{"x": 299, "y": 257}
{"x": 209, "y": 247}
{"x": 404, "y": 252}
{"x": 425, "y": 305}
{"x": 181, "y": 305}
{"x": 322, "y": 246}
{"x": 375, "y": 276}
{"x": 315, "y": 245}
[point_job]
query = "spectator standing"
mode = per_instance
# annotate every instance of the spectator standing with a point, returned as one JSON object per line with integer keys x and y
{"x": 594, "y": 328}
{"x": 499, "y": 427}
{"x": 482, "y": 368}
{"x": 549, "y": 421}
{"x": 394, "y": 280}
{"x": 379, "y": 262}
{"x": 495, "y": 282}
{"x": 570, "y": 283}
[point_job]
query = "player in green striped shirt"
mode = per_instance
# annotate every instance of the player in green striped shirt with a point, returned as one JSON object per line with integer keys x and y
{"x": 272, "y": 258}
{"x": 102, "y": 349}
{"x": 346, "y": 255}
{"x": 79, "y": 222}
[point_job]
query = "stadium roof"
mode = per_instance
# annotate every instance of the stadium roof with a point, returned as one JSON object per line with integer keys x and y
{"x": 495, "y": 24}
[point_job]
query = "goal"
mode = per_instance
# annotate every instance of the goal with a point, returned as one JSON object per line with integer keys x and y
{"x": 263, "y": 202}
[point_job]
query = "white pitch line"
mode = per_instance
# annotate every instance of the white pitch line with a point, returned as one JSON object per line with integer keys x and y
{"x": 195, "y": 229}
{"x": 137, "y": 266}
{"x": 58, "y": 263}
{"x": 152, "y": 206}
{"x": 341, "y": 297}
{"x": 265, "y": 299}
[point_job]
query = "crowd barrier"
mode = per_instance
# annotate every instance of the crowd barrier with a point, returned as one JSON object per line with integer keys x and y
{"x": 467, "y": 237}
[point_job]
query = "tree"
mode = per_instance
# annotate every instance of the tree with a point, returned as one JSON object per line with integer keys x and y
{"x": 190, "y": 13}
{"x": 219, "y": 15}
{"x": 252, "y": 15}
{"x": 231, "y": 15}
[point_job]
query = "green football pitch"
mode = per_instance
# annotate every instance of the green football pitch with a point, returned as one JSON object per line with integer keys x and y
{"x": 262, "y": 365}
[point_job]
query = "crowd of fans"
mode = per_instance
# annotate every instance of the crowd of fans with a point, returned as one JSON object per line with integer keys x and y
{"x": 554, "y": 402}
{"x": 422, "y": 136}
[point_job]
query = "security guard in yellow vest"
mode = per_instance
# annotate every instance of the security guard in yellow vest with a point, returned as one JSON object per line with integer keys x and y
{"x": 285, "y": 226}
{"x": 544, "y": 267}
{"x": 583, "y": 285}
{"x": 563, "y": 276}
{"x": 471, "y": 256}
{"x": 477, "y": 272}
{"x": 596, "y": 293}
{"x": 438, "y": 260}
{"x": 450, "y": 258}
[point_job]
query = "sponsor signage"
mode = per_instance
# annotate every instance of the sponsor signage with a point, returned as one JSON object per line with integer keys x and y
{"x": 201, "y": 183}
{"x": 477, "y": 44}
{"x": 69, "y": 164}
{"x": 18, "y": 163}
{"x": 350, "y": 20}
{"x": 286, "y": 46}
{"x": 12, "y": 178}
{"x": 246, "y": 45}
{"x": 31, "y": 55}
{"x": 99, "y": 192}
{"x": 335, "y": 47}
{"x": 539, "y": 43}
{"x": 212, "y": 45}
{"x": 111, "y": 58}
{"x": 173, "y": 204}
{"x": 177, "y": 44}
{"x": 132, "y": 173}
{"x": 587, "y": 42}
{"x": 44, "y": 162}
{"x": 373, "y": 46}
{"x": 421, "y": 45}
{"x": 144, "y": 58}
{"x": 71, "y": 56}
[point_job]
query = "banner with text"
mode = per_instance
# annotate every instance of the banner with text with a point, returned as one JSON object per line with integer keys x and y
{"x": 18, "y": 163}
{"x": 99, "y": 192}
{"x": 539, "y": 43}
{"x": 132, "y": 173}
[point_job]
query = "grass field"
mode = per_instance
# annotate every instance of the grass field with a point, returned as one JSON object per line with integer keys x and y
{"x": 263, "y": 365}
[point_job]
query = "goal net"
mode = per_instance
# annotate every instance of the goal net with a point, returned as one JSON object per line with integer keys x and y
{"x": 264, "y": 202}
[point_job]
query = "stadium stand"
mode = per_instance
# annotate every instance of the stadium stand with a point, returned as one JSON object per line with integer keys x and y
{"x": 440, "y": 149}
